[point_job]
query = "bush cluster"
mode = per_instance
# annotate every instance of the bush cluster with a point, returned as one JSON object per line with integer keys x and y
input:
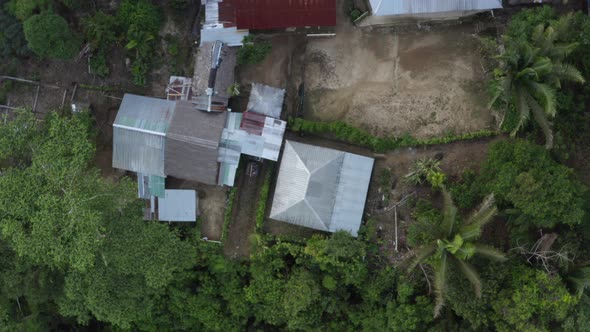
{"x": 350, "y": 134}
{"x": 228, "y": 212}
{"x": 262, "y": 199}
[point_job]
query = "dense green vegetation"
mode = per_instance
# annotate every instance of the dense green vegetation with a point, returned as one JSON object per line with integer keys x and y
{"x": 75, "y": 253}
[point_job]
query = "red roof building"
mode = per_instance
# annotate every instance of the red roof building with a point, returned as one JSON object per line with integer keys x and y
{"x": 277, "y": 14}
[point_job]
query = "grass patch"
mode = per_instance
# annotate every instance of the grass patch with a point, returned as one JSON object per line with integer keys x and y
{"x": 228, "y": 212}
{"x": 262, "y": 199}
{"x": 353, "y": 135}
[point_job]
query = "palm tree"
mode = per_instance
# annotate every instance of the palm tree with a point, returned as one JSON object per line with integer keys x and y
{"x": 530, "y": 72}
{"x": 452, "y": 246}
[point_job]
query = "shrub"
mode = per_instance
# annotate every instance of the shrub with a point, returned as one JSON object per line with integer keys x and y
{"x": 24, "y": 9}
{"x": 98, "y": 65}
{"x": 49, "y": 36}
{"x": 12, "y": 38}
{"x": 101, "y": 30}
{"x": 422, "y": 169}
{"x": 466, "y": 191}
{"x": 141, "y": 20}
{"x": 539, "y": 191}
{"x": 228, "y": 212}
{"x": 253, "y": 51}
{"x": 350, "y": 134}
{"x": 262, "y": 199}
{"x": 355, "y": 14}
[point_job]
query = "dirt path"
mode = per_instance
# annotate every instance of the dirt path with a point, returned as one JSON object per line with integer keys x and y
{"x": 237, "y": 244}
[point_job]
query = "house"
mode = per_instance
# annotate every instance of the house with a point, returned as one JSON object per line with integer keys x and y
{"x": 157, "y": 138}
{"x": 230, "y": 20}
{"x": 257, "y": 133}
{"x": 429, "y": 9}
{"x": 321, "y": 188}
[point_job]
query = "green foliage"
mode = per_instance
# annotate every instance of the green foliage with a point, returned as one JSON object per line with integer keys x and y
{"x": 180, "y": 4}
{"x": 234, "y": 89}
{"x": 531, "y": 69}
{"x": 450, "y": 245}
{"x": 421, "y": 169}
{"x": 101, "y": 30}
{"x": 354, "y": 14}
{"x": 12, "y": 38}
{"x": 23, "y": 9}
{"x": 228, "y": 214}
{"x": 49, "y": 36}
{"x": 253, "y": 51}
{"x": 523, "y": 23}
{"x": 141, "y": 21}
{"x": 540, "y": 192}
{"x": 425, "y": 218}
{"x": 515, "y": 298}
{"x": 350, "y": 134}
{"x": 263, "y": 199}
{"x": 98, "y": 65}
{"x": 466, "y": 191}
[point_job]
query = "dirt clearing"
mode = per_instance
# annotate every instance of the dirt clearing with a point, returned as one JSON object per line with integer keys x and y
{"x": 425, "y": 83}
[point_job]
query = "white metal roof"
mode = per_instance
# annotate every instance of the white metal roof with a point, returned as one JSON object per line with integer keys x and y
{"x": 321, "y": 188}
{"x": 178, "y": 205}
{"x": 403, "y": 7}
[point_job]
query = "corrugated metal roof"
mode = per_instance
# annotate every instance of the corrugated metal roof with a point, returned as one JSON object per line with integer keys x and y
{"x": 220, "y": 24}
{"x": 150, "y": 185}
{"x": 139, "y": 134}
{"x": 275, "y": 14}
{"x": 266, "y": 100}
{"x": 192, "y": 143}
{"x": 178, "y": 205}
{"x": 403, "y": 7}
{"x": 263, "y": 142}
{"x": 321, "y": 188}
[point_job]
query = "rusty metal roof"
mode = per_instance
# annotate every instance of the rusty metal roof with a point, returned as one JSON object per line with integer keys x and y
{"x": 276, "y": 14}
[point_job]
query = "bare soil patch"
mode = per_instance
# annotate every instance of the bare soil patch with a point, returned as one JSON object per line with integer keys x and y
{"x": 392, "y": 83}
{"x": 212, "y": 201}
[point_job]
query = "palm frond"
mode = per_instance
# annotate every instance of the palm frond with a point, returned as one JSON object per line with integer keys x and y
{"x": 547, "y": 94}
{"x": 449, "y": 213}
{"x": 568, "y": 73}
{"x": 523, "y": 109}
{"x": 470, "y": 273}
{"x": 538, "y": 35}
{"x": 489, "y": 252}
{"x": 561, "y": 51}
{"x": 419, "y": 256}
{"x": 580, "y": 280}
{"x": 527, "y": 72}
{"x": 542, "y": 66}
{"x": 480, "y": 216}
{"x": 440, "y": 284}
{"x": 542, "y": 121}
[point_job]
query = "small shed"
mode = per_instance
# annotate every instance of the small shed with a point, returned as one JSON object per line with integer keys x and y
{"x": 178, "y": 205}
{"x": 139, "y": 134}
{"x": 321, "y": 188}
{"x": 266, "y": 100}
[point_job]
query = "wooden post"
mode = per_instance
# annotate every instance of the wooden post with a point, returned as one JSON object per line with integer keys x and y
{"x": 395, "y": 214}
{"x": 36, "y": 97}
